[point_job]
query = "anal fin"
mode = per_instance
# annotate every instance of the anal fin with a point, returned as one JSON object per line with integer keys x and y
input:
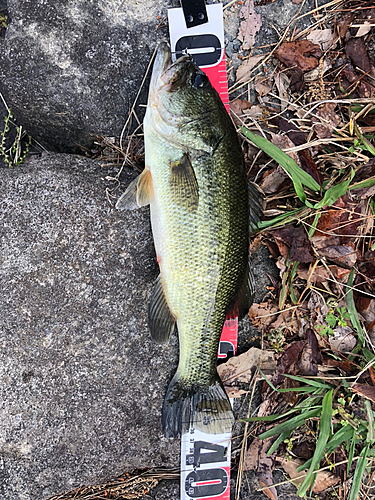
{"x": 138, "y": 193}
{"x": 160, "y": 319}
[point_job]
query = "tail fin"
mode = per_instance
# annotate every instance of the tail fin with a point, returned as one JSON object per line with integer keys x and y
{"x": 206, "y": 408}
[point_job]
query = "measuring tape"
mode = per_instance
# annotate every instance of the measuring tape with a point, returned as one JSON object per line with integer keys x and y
{"x": 205, "y": 458}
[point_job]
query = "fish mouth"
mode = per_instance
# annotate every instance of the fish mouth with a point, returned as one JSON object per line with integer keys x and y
{"x": 168, "y": 75}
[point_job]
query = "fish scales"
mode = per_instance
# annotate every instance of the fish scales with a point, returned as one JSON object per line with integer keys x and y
{"x": 196, "y": 185}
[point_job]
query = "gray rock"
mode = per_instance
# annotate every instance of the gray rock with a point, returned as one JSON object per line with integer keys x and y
{"x": 71, "y": 68}
{"x": 81, "y": 382}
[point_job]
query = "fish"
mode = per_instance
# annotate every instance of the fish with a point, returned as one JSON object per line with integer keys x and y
{"x": 202, "y": 212}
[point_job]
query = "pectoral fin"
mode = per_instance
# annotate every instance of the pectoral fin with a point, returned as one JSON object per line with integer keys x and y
{"x": 138, "y": 193}
{"x": 183, "y": 183}
{"x": 160, "y": 319}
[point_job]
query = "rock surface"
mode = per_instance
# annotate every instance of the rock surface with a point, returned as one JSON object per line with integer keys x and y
{"x": 81, "y": 382}
{"x": 71, "y": 68}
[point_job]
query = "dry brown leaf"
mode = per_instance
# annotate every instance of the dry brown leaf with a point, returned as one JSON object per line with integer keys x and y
{"x": 250, "y": 27}
{"x": 234, "y": 392}
{"x": 329, "y": 120}
{"x": 262, "y": 85}
{"x": 343, "y": 256}
{"x": 272, "y": 181}
{"x": 243, "y": 71}
{"x": 239, "y": 368}
{"x": 343, "y": 339}
{"x": 297, "y": 242}
{"x": 303, "y": 54}
{"x": 324, "y": 479}
{"x": 318, "y": 72}
{"x": 310, "y": 355}
{"x": 321, "y": 274}
{"x": 256, "y": 458}
{"x": 322, "y": 37}
{"x": 261, "y": 315}
{"x": 283, "y": 86}
{"x": 238, "y": 107}
{"x": 364, "y": 29}
{"x": 367, "y": 391}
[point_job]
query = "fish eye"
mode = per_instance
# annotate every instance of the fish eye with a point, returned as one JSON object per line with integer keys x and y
{"x": 200, "y": 80}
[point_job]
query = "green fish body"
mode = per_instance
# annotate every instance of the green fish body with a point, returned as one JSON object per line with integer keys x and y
{"x": 196, "y": 185}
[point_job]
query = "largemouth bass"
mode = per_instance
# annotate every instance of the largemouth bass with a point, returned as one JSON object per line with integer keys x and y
{"x": 196, "y": 185}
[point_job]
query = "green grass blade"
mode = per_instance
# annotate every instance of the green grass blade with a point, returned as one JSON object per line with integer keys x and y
{"x": 291, "y": 424}
{"x": 342, "y": 435}
{"x": 298, "y": 175}
{"x": 370, "y": 418}
{"x": 314, "y": 224}
{"x": 269, "y": 418}
{"x": 359, "y": 470}
{"x": 308, "y": 381}
{"x": 353, "y": 315}
{"x": 306, "y": 389}
{"x": 324, "y": 434}
{"x": 268, "y": 381}
{"x": 334, "y": 193}
{"x": 363, "y": 184}
{"x": 351, "y": 451}
{"x": 279, "y": 440}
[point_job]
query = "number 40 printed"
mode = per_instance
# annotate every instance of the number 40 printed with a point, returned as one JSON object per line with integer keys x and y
{"x": 205, "y": 465}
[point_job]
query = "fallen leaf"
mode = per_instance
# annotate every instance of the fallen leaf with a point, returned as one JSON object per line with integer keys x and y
{"x": 364, "y": 29}
{"x": 273, "y": 180}
{"x": 237, "y": 107}
{"x": 262, "y": 314}
{"x": 296, "y": 239}
{"x": 284, "y": 142}
{"x": 243, "y": 71}
{"x": 283, "y": 84}
{"x": 364, "y": 89}
{"x": 250, "y": 27}
{"x": 261, "y": 85}
{"x": 318, "y": 72}
{"x": 296, "y": 79}
{"x": 295, "y": 135}
{"x": 309, "y": 166}
{"x": 310, "y": 355}
{"x": 329, "y": 120}
{"x": 344, "y": 22}
{"x": 239, "y": 368}
{"x": 341, "y": 255}
{"x": 323, "y": 480}
{"x": 321, "y": 274}
{"x": 303, "y": 54}
{"x": 322, "y": 37}
{"x": 355, "y": 50}
{"x": 234, "y": 392}
{"x": 343, "y": 339}
{"x": 287, "y": 361}
{"x": 367, "y": 391}
{"x": 256, "y": 458}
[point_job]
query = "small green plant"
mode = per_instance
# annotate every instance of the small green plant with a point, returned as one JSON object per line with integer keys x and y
{"x": 335, "y": 317}
{"x": 330, "y": 413}
{"x": 3, "y": 20}
{"x": 15, "y": 153}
